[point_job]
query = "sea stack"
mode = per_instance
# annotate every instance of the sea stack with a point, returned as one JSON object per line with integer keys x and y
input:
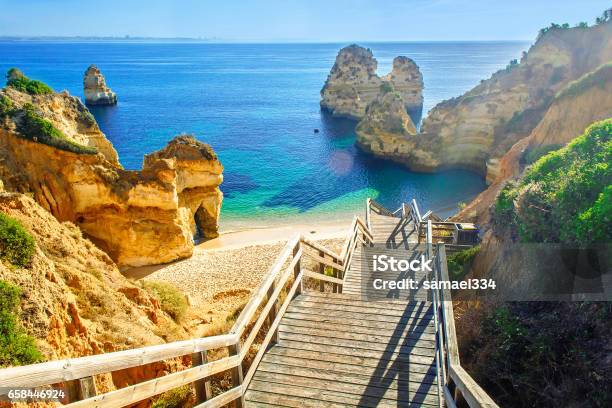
{"x": 408, "y": 81}
{"x": 95, "y": 89}
{"x": 352, "y": 83}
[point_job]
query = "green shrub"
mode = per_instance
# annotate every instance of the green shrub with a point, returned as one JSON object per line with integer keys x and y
{"x": 532, "y": 155}
{"x": 17, "y": 80}
{"x": 16, "y": 347}
{"x": 531, "y": 354}
{"x": 6, "y": 107}
{"x": 172, "y": 300}
{"x": 386, "y": 87}
{"x": 176, "y": 398}
{"x": 564, "y": 194}
{"x": 34, "y": 127}
{"x": 16, "y": 244}
{"x": 503, "y": 211}
{"x": 459, "y": 263}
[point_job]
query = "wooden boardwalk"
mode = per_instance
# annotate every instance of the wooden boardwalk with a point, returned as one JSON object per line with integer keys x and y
{"x": 360, "y": 348}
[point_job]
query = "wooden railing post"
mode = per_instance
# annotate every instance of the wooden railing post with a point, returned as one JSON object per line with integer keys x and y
{"x": 296, "y": 270}
{"x": 237, "y": 378}
{"x": 202, "y": 387}
{"x": 322, "y": 271}
{"x": 83, "y": 388}
{"x": 273, "y": 311}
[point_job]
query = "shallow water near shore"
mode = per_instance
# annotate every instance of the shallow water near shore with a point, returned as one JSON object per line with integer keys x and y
{"x": 258, "y": 106}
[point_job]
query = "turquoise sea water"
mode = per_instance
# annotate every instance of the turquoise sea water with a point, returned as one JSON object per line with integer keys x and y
{"x": 257, "y": 105}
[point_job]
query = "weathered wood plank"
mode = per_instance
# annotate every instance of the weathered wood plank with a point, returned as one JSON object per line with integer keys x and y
{"x": 340, "y": 325}
{"x": 386, "y": 369}
{"x": 327, "y": 395}
{"x": 393, "y": 383}
{"x": 356, "y": 344}
{"x": 417, "y": 364}
{"x": 404, "y": 338}
{"x": 370, "y": 389}
{"x": 323, "y": 395}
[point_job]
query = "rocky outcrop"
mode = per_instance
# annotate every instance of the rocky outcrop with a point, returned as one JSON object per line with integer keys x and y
{"x": 95, "y": 89}
{"x": 407, "y": 79}
{"x": 479, "y": 127}
{"x": 76, "y": 300}
{"x": 387, "y": 130}
{"x": 137, "y": 217}
{"x": 353, "y": 83}
{"x": 67, "y": 114}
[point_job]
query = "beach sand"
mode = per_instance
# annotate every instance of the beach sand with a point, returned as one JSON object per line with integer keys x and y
{"x": 220, "y": 276}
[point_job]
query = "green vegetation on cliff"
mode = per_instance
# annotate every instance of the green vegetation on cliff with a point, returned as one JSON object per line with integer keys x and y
{"x": 543, "y": 354}
{"x": 16, "y": 79}
{"x": 597, "y": 78}
{"x": 171, "y": 300}
{"x": 16, "y": 347}
{"x": 565, "y": 196}
{"x": 16, "y": 244}
{"x": 32, "y": 126}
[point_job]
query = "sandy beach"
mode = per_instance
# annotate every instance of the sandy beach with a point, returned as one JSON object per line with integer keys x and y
{"x": 222, "y": 272}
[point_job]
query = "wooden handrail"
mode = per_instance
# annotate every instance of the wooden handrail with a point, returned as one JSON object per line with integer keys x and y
{"x": 455, "y": 382}
{"x": 58, "y": 371}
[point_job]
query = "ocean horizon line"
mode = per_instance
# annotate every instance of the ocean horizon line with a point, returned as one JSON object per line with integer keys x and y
{"x": 139, "y": 40}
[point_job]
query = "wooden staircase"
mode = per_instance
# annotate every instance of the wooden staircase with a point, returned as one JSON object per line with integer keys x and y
{"x": 340, "y": 345}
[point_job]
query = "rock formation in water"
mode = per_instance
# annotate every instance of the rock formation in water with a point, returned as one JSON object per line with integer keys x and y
{"x": 476, "y": 129}
{"x": 51, "y": 148}
{"x": 95, "y": 89}
{"x": 386, "y": 129}
{"x": 353, "y": 83}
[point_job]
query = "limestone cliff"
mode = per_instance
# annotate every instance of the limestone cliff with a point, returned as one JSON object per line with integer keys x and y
{"x": 137, "y": 217}
{"x": 69, "y": 115}
{"x": 75, "y": 302}
{"x": 387, "y": 130}
{"x": 95, "y": 89}
{"x": 72, "y": 288}
{"x": 353, "y": 83}
{"x": 479, "y": 127}
{"x": 575, "y": 107}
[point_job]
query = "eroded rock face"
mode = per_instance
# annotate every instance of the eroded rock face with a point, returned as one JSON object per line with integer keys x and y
{"x": 479, "y": 127}
{"x": 577, "y": 106}
{"x": 353, "y": 83}
{"x": 387, "y": 130}
{"x": 137, "y": 217}
{"x": 95, "y": 89}
{"x": 407, "y": 79}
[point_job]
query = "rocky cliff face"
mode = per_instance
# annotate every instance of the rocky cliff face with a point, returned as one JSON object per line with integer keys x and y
{"x": 580, "y": 103}
{"x": 353, "y": 83}
{"x": 387, "y": 130}
{"x": 137, "y": 217}
{"x": 479, "y": 127}
{"x": 75, "y": 302}
{"x": 407, "y": 79}
{"x": 95, "y": 89}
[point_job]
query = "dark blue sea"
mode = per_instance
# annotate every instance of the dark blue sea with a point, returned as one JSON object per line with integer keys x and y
{"x": 257, "y": 105}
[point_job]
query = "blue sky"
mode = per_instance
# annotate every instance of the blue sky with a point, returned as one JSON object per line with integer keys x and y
{"x": 295, "y": 20}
